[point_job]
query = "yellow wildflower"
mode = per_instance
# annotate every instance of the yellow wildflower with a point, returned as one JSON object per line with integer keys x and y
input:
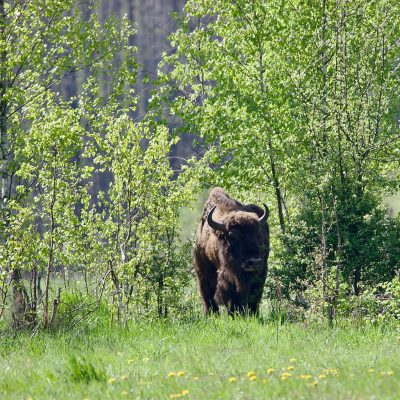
{"x": 171, "y": 374}
{"x": 131, "y": 361}
{"x": 252, "y": 378}
{"x": 305, "y": 376}
{"x": 270, "y": 371}
{"x": 390, "y": 373}
{"x": 232, "y": 379}
{"x": 181, "y": 373}
{"x": 111, "y": 381}
{"x": 293, "y": 360}
{"x": 251, "y": 373}
{"x": 321, "y": 376}
{"x": 195, "y": 378}
{"x": 285, "y": 376}
{"x": 175, "y": 396}
{"x": 185, "y": 392}
{"x": 290, "y": 368}
{"x": 314, "y": 384}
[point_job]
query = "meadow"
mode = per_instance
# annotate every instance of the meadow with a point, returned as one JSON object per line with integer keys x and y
{"x": 206, "y": 358}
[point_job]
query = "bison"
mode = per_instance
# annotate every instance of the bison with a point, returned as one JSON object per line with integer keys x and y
{"x": 231, "y": 253}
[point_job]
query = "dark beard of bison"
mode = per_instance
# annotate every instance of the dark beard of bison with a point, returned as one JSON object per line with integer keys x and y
{"x": 235, "y": 278}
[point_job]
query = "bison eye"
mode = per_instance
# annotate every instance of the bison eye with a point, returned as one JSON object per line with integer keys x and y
{"x": 233, "y": 237}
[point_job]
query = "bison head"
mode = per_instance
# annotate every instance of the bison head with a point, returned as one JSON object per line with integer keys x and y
{"x": 243, "y": 237}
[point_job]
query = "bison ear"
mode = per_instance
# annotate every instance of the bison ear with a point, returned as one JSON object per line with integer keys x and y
{"x": 265, "y": 216}
{"x": 214, "y": 224}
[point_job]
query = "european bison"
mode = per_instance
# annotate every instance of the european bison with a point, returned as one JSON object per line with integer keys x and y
{"x": 231, "y": 254}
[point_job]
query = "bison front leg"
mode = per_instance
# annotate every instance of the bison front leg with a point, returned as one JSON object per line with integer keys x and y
{"x": 207, "y": 292}
{"x": 255, "y": 294}
{"x": 206, "y": 282}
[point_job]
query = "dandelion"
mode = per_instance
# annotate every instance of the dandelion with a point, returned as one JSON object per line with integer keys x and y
{"x": 270, "y": 371}
{"x": 171, "y": 375}
{"x": 185, "y": 392}
{"x": 388, "y": 373}
{"x": 333, "y": 372}
{"x": 232, "y": 379}
{"x": 175, "y": 396}
{"x": 285, "y": 376}
{"x": 111, "y": 381}
{"x": 290, "y": 368}
{"x": 251, "y": 373}
{"x": 252, "y": 378}
{"x": 293, "y": 360}
{"x": 181, "y": 373}
{"x": 321, "y": 376}
{"x": 305, "y": 376}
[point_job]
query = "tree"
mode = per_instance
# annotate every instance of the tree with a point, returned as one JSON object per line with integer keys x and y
{"x": 225, "y": 89}
{"x": 43, "y": 135}
{"x": 296, "y": 100}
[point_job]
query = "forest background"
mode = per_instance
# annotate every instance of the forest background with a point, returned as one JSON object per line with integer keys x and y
{"x": 116, "y": 117}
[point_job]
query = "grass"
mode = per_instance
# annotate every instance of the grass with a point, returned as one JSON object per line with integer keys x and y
{"x": 214, "y": 358}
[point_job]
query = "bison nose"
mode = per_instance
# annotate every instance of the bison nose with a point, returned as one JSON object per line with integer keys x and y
{"x": 252, "y": 264}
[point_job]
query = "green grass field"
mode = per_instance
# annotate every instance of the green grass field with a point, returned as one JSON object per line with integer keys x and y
{"x": 214, "y": 358}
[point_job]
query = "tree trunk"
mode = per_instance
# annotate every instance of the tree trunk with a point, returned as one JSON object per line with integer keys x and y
{"x": 274, "y": 173}
{"x": 356, "y": 280}
{"x": 19, "y": 306}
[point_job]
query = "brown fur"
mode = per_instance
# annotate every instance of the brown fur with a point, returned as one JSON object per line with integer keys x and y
{"x": 221, "y": 261}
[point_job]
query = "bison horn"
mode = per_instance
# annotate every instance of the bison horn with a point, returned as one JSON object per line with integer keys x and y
{"x": 265, "y": 215}
{"x": 214, "y": 224}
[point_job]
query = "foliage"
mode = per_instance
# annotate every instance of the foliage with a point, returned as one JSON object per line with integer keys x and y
{"x": 375, "y": 305}
{"x": 374, "y": 251}
{"x": 297, "y": 102}
{"x": 54, "y": 147}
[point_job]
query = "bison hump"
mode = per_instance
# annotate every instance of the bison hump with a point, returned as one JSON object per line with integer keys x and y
{"x": 218, "y": 197}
